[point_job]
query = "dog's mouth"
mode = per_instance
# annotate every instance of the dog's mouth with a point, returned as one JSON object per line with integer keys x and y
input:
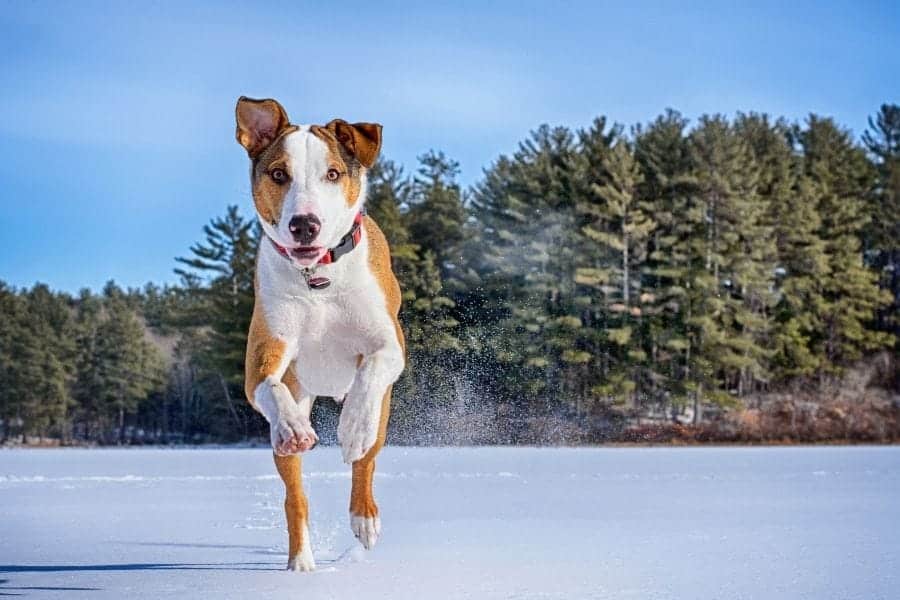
{"x": 306, "y": 253}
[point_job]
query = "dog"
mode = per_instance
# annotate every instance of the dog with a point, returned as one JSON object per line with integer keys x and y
{"x": 325, "y": 316}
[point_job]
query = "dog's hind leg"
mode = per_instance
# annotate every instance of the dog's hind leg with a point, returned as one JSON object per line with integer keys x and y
{"x": 296, "y": 506}
{"x": 364, "y": 520}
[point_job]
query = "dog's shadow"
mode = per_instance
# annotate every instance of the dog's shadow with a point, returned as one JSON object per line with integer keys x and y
{"x": 233, "y": 566}
{"x": 271, "y": 566}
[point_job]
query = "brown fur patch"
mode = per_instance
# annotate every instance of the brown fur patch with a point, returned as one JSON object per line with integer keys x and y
{"x": 265, "y": 353}
{"x": 362, "y": 140}
{"x": 268, "y": 196}
{"x": 380, "y": 264}
{"x": 339, "y": 158}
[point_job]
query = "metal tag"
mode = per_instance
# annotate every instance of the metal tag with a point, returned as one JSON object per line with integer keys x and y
{"x": 315, "y": 283}
{"x": 318, "y": 283}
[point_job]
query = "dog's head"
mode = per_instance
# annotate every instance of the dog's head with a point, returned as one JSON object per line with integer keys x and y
{"x": 308, "y": 180}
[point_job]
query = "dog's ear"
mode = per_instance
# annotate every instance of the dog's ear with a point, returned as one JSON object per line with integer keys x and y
{"x": 259, "y": 123}
{"x": 362, "y": 140}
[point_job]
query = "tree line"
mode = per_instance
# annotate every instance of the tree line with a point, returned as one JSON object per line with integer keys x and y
{"x": 593, "y": 280}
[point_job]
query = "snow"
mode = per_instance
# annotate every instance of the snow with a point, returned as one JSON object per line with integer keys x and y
{"x": 512, "y": 523}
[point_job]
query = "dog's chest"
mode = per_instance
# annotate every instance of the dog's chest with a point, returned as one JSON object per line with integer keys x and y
{"x": 328, "y": 350}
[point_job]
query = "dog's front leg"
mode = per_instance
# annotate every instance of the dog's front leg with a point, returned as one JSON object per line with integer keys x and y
{"x": 361, "y": 414}
{"x": 268, "y": 358}
{"x": 362, "y": 430}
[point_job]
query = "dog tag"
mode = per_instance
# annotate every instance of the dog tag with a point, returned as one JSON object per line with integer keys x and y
{"x": 318, "y": 283}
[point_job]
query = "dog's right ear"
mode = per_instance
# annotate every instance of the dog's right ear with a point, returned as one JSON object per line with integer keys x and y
{"x": 259, "y": 123}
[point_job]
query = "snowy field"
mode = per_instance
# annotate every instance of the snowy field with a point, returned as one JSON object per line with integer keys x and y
{"x": 696, "y": 523}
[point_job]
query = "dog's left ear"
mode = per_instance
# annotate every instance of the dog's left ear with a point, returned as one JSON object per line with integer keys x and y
{"x": 259, "y": 123}
{"x": 362, "y": 140}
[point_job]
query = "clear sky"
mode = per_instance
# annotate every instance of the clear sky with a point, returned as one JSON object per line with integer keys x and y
{"x": 116, "y": 120}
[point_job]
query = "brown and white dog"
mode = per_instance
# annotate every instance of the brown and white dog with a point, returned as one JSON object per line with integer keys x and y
{"x": 325, "y": 317}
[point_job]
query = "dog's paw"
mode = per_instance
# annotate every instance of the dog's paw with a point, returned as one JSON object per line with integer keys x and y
{"x": 302, "y": 562}
{"x": 366, "y": 529}
{"x": 292, "y": 433}
{"x": 358, "y": 429}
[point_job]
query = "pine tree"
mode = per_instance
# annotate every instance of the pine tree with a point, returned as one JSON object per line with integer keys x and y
{"x": 12, "y": 380}
{"x": 729, "y": 298}
{"x": 388, "y": 189}
{"x": 51, "y": 329}
{"x": 620, "y": 228}
{"x": 129, "y": 367}
{"x": 525, "y": 211}
{"x": 403, "y": 211}
{"x": 218, "y": 282}
{"x": 437, "y": 213}
{"x": 414, "y": 237}
{"x": 800, "y": 264}
{"x": 663, "y": 153}
{"x": 88, "y": 387}
{"x": 882, "y": 235}
{"x": 842, "y": 177}
{"x": 36, "y": 362}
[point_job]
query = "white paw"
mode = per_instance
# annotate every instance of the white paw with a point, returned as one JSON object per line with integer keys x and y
{"x": 292, "y": 433}
{"x": 366, "y": 530}
{"x": 301, "y": 562}
{"x": 304, "y": 560}
{"x": 358, "y": 428}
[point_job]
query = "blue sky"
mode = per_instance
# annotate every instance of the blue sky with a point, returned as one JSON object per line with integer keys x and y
{"x": 117, "y": 132}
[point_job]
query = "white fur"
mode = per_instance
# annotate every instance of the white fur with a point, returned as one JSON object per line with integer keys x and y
{"x": 326, "y": 330}
{"x": 304, "y": 560}
{"x": 366, "y": 530}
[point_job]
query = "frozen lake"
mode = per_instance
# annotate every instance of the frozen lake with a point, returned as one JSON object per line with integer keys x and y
{"x": 643, "y": 523}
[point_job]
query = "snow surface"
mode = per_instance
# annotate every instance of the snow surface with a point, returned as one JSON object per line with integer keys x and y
{"x": 643, "y": 523}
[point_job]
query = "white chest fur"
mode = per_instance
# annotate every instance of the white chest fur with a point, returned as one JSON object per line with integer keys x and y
{"x": 325, "y": 331}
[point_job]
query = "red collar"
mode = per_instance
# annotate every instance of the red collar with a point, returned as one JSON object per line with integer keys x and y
{"x": 350, "y": 241}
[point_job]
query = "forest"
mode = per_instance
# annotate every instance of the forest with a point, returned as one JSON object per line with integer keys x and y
{"x": 728, "y": 279}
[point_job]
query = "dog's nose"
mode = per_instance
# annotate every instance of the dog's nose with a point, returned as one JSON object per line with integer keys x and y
{"x": 305, "y": 228}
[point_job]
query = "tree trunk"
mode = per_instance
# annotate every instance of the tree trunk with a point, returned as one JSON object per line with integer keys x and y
{"x": 624, "y": 264}
{"x": 231, "y": 408}
{"x": 698, "y": 405}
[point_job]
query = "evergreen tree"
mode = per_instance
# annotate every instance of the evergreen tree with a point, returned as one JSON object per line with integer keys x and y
{"x": 801, "y": 263}
{"x": 50, "y": 327}
{"x": 219, "y": 281}
{"x": 525, "y": 210}
{"x": 89, "y": 384}
{"x": 35, "y": 362}
{"x": 426, "y": 313}
{"x": 729, "y": 298}
{"x": 437, "y": 213}
{"x": 12, "y": 381}
{"x": 388, "y": 189}
{"x": 666, "y": 189}
{"x": 843, "y": 178}
{"x": 620, "y": 225}
{"x": 882, "y": 236}
{"x": 428, "y": 323}
{"x": 129, "y": 367}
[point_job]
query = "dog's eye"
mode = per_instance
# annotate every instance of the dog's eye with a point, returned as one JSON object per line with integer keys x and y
{"x": 278, "y": 175}
{"x": 333, "y": 175}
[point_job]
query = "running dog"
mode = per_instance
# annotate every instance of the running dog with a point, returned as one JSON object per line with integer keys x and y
{"x": 325, "y": 319}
